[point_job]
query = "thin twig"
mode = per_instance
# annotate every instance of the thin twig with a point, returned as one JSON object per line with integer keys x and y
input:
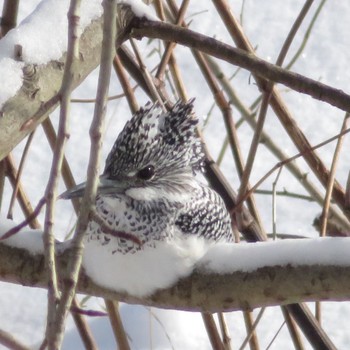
{"x": 128, "y": 91}
{"x": 225, "y": 108}
{"x": 279, "y": 106}
{"x": 19, "y": 173}
{"x": 212, "y": 331}
{"x": 293, "y": 330}
{"x": 53, "y": 331}
{"x": 266, "y": 101}
{"x": 306, "y": 36}
{"x": 330, "y": 186}
{"x": 266, "y": 140}
{"x": 274, "y": 209}
{"x": 147, "y": 76}
{"x": 93, "y": 100}
{"x": 22, "y": 197}
{"x": 171, "y": 45}
{"x": 10, "y": 342}
{"x": 117, "y": 324}
{"x": 328, "y": 196}
{"x": 300, "y": 312}
{"x": 226, "y": 338}
{"x": 25, "y": 222}
{"x": 81, "y": 324}
{"x": 252, "y": 332}
{"x": 286, "y": 193}
{"x": 69, "y": 283}
{"x": 275, "y": 335}
{"x": 290, "y": 159}
{"x": 91, "y": 313}
{"x": 347, "y": 193}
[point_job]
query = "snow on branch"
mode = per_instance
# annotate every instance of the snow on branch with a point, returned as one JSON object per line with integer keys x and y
{"x": 37, "y": 79}
{"x": 33, "y": 55}
{"x": 228, "y": 277}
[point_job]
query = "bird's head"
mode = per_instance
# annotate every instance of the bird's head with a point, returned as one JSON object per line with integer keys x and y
{"x": 155, "y": 150}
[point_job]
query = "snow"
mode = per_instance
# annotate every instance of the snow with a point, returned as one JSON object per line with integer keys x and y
{"x": 11, "y": 72}
{"x": 142, "y": 273}
{"x": 165, "y": 330}
{"x": 30, "y": 240}
{"x": 266, "y": 23}
{"x": 140, "y": 9}
{"x": 43, "y": 25}
{"x": 225, "y": 258}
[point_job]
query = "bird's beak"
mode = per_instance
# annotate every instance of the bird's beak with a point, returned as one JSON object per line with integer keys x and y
{"x": 105, "y": 186}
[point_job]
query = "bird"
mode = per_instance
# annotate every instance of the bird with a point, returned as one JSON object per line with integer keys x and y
{"x": 150, "y": 190}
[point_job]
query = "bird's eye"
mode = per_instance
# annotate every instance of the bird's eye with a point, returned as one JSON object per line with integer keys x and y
{"x": 146, "y": 173}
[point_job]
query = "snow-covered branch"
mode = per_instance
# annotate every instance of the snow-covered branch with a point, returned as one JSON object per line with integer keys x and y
{"x": 228, "y": 277}
{"x": 38, "y": 95}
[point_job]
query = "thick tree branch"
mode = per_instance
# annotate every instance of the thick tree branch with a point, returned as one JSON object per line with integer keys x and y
{"x": 39, "y": 94}
{"x": 202, "y": 291}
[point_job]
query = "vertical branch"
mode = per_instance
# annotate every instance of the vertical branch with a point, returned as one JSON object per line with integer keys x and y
{"x": 10, "y": 342}
{"x": 9, "y": 16}
{"x": 329, "y": 190}
{"x": 119, "y": 69}
{"x": 328, "y": 196}
{"x": 70, "y": 281}
{"x": 251, "y": 330}
{"x": 279, "y": 107}
{"x": 50, "y": 193}
{"x": 249, "y": 115}
{"x": 117, "y": 325}
{"x": 170, "y": 45}
{"x": 306, "y": 321}
{"x": 80, "y": 322}
{"x": 212, "y": 331}
{"x": 266, "y": 101}
{"x": 19, "y": 173}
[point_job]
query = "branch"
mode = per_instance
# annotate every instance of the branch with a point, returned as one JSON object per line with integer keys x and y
{"x": 39, "y": 96}
{"x": 143, "y": 27}
{"x": 204, "y": 290}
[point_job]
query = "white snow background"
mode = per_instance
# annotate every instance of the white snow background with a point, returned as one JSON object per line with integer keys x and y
{"x": 266, "y": 24}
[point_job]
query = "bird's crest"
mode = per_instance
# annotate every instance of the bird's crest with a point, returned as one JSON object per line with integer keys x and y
{"x": 167, "y": 141}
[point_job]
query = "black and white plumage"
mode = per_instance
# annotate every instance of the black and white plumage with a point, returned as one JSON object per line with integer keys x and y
{"x": 149, "y": 188}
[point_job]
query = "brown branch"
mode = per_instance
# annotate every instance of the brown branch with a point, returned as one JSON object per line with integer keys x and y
{"x": 10, "y": 342}
{"x": 70, "y": 279}
{"x": 32, "y": 216}
{"x": 329, "y": 189}
{"x": 55, "y": 322}
{"x": 279, "y": 106}
{"x": 117, "y": 324}
{"x": 202, "y": 290}
{"x": 142, "y": 27}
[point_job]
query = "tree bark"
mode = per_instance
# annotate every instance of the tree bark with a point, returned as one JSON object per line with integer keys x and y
{"x": 39, "y": 96}
{"x": 202, "y": 290}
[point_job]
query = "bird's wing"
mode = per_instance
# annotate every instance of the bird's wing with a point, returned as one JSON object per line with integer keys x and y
{"x": 205, "y": 215}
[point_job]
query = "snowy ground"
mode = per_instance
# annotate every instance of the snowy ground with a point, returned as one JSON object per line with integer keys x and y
{"x": 325, "y": 58}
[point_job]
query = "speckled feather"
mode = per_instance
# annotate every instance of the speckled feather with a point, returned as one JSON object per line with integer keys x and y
{"x": 173, "y": 202}
{"x": 166, "y": 139}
